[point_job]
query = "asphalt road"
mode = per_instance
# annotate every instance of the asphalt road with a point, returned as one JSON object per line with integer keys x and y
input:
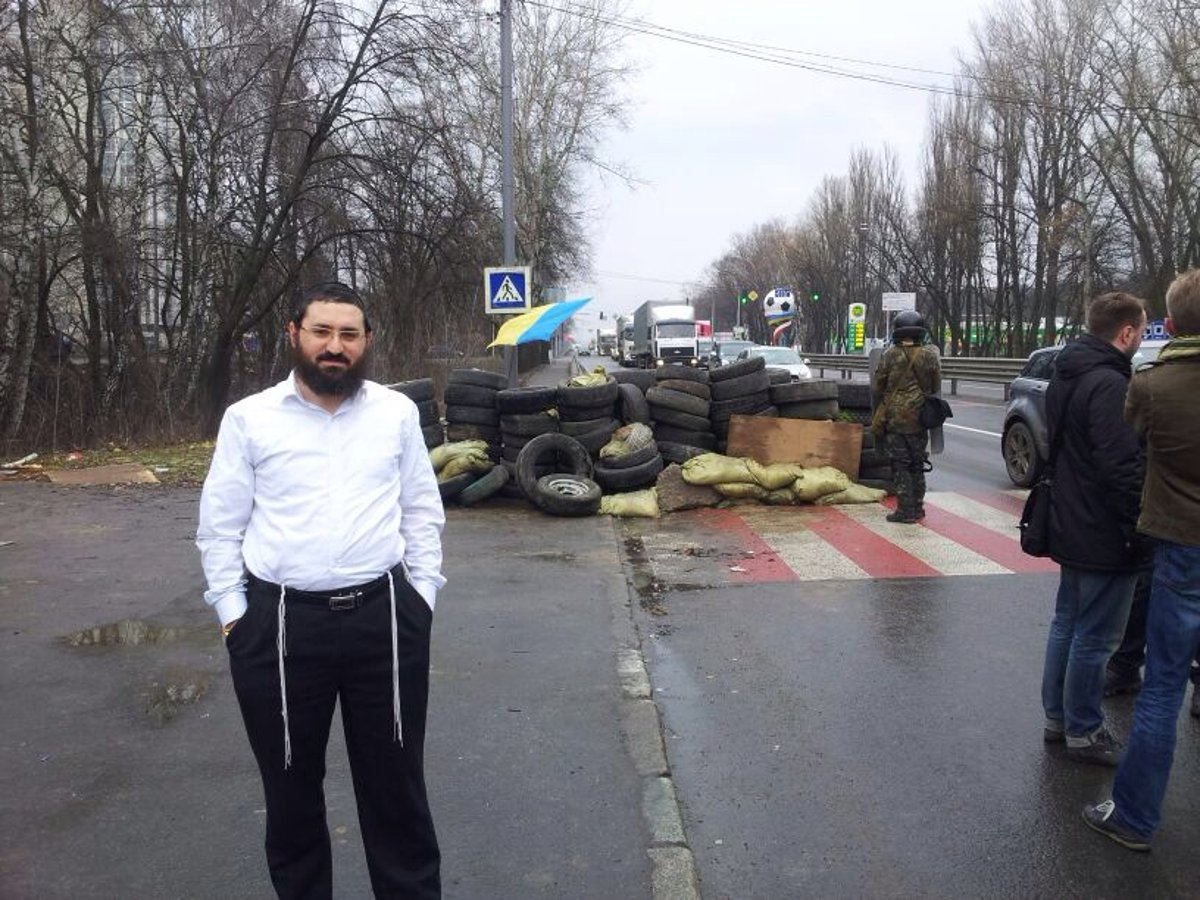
{"x": 855, "y": 735}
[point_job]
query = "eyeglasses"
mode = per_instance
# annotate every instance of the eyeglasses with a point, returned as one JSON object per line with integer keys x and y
{"x": 325, "y": 333}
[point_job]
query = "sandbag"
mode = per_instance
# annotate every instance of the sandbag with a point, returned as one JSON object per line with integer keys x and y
{"x": 818, "y": 482}
{"x": 439, "y": 456}
{"x": 626, "y": 439}
{"x": 477, "y": 461}
{"x": 713, "y": 468}
{"x": 595, "y": 378}
{"x": 776, "y": 475}
{"x": 633, "y": 504}
{"x": 856, "y": 493}
{"x": 740, "y": 490}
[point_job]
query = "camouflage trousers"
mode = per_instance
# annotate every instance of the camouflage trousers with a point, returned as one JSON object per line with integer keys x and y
{"x": 909, "y": 460}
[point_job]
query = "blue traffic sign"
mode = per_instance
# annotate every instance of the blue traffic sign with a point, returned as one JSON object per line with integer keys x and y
{"x": 506, "y": 289}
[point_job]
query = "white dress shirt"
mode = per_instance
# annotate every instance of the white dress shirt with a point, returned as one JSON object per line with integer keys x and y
{"x": 317, "y": 501}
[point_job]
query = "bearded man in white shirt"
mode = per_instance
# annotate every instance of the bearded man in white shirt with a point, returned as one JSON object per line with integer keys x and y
{"x": 320, "y": 535}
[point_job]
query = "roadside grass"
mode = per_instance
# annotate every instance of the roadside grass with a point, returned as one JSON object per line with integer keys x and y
{"x": 174, "y": 464}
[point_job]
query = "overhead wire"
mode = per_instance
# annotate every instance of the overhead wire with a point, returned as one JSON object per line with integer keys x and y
{"x": 786, "y": 57}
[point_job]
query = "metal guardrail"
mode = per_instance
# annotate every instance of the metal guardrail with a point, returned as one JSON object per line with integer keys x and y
{"x": 992, "y": 370}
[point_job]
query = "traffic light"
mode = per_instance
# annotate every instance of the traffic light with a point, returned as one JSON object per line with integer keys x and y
{"x": 743, "y": 299}
{"x": 814, "y": 296}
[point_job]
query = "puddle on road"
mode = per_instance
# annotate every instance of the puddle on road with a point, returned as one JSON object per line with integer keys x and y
{"x": 176, "y": 689}
{"x": 126, "y": 632}
{"x": 546, "y": 556}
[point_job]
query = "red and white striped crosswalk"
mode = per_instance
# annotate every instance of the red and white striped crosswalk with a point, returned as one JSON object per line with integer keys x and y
{"x": 961, "y": 534}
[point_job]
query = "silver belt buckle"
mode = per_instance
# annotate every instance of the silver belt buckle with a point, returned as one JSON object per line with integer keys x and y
{"x": 344, "y": 601}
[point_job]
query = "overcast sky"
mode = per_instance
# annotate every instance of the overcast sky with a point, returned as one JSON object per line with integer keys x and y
{"x": 722, "y": 143}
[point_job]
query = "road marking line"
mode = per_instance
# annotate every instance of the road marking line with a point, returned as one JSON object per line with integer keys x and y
{"x": 974, "y": 430}
{"x": 809, "y": 556}
{"x": 1011, "y": 502}
{"x": 942, "y": 554}
{"x": 1000, "y": 547}
{"x": 998, "y": 516}
{"x": 762, "y": 562}
{"x": 878, "y": 555}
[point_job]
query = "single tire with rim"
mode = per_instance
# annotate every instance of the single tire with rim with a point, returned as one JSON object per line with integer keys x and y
{"x": 573, "y": 496}
{"x": 551, "y": 449}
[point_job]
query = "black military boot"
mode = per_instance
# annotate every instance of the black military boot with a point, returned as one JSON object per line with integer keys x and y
{"x": 904, "y": 514}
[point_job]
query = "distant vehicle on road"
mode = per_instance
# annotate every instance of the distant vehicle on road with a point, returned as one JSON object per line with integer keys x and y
{"x": 725, "y": 352}
{"x": 664, "y": 333}
{"x": 784, "y": 358}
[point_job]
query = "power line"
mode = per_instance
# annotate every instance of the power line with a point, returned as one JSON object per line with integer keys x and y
{"x": 778, "y": 56}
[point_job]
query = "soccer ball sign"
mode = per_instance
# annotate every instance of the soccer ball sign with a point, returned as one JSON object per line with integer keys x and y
{"x": 779, "y": 304}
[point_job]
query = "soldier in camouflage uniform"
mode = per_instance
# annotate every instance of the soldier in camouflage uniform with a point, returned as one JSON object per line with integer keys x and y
{"x": 908, "y": 371}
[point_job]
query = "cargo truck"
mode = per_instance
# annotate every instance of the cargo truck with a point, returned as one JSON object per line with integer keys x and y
{"x": 664, "y": 333}
{"x": 624, "y": 354}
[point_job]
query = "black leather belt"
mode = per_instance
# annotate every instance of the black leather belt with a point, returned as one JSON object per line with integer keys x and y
{"x": 338, "y": 599}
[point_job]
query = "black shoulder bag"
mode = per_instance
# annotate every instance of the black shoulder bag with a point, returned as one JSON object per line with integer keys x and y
{"x": 1035, "y": 517}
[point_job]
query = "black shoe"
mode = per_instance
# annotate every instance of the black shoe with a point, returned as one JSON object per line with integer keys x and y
{"x": 1101, "y": 748}
{"x": 1116, "y": 682}
{"x": 1100, "y": 818}
{"x": 904, "y": 517}
{"x": 1195, "y": 710}
{"x": 1053, "y": 731}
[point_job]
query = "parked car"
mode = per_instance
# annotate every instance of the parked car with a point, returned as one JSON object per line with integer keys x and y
{"x": 704, "y": 352}
{"x": 1024, "y": 441}
{"x": 725, "y": 352}
{"x": 780, "y": 358}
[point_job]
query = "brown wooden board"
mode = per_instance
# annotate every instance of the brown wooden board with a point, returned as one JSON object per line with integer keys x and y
{"x": 811, "y": 443}
{"x": 118, "y": 473}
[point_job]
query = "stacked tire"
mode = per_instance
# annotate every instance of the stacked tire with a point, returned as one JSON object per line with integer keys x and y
{"x": 680, "y": 403}
{"x": 874, "y": 467}
{"x": 567, "y": 489}
{"x": 525, "y": 413}
{"x": 587, "y": 413}
{"x": 420, "y": 391}
{"x": 806, "y": 400}
{"x": 740, "y": 388}
{"x": 471, "y": 412}
{"x": 638, "y": 468}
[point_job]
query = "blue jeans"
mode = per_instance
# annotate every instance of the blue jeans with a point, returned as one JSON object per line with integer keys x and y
{"x": 1172, "y": 641}
{"x": 1089, "y": 620}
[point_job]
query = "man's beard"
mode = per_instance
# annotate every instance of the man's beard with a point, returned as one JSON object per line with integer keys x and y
{"x": 330, "y": 382}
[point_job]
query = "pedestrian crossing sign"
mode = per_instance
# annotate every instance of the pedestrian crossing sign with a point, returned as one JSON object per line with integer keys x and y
{"x": 506, "y": 289}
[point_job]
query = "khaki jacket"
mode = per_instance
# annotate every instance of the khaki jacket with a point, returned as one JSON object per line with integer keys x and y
{"x": 906, "y": 373}
{"x": 1163, "y": 404}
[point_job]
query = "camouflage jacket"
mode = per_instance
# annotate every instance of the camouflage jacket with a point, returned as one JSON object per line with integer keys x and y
{"x": 898, "y": 388}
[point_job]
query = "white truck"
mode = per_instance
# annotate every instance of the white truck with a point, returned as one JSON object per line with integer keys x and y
{"x": 664, "y": 333}
{"x": 624, "y": 354}
{"x": 606, "y": 342}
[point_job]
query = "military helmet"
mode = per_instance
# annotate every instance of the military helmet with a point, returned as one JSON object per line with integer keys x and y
{"x": 908, "y": 325}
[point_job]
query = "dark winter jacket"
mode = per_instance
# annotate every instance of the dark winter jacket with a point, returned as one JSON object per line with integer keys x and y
{"x": 1099, "y": 469}
{"x": 1164, "y": 405}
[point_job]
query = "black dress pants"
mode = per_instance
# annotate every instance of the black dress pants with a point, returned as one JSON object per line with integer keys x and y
{"x": 340, "y": 655}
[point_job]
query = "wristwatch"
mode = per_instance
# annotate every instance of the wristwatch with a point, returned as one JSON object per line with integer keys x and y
{"x": 228, "y": 627}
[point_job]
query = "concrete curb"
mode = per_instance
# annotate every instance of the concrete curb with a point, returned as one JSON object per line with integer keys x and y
{"x": 674, "y": 868}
